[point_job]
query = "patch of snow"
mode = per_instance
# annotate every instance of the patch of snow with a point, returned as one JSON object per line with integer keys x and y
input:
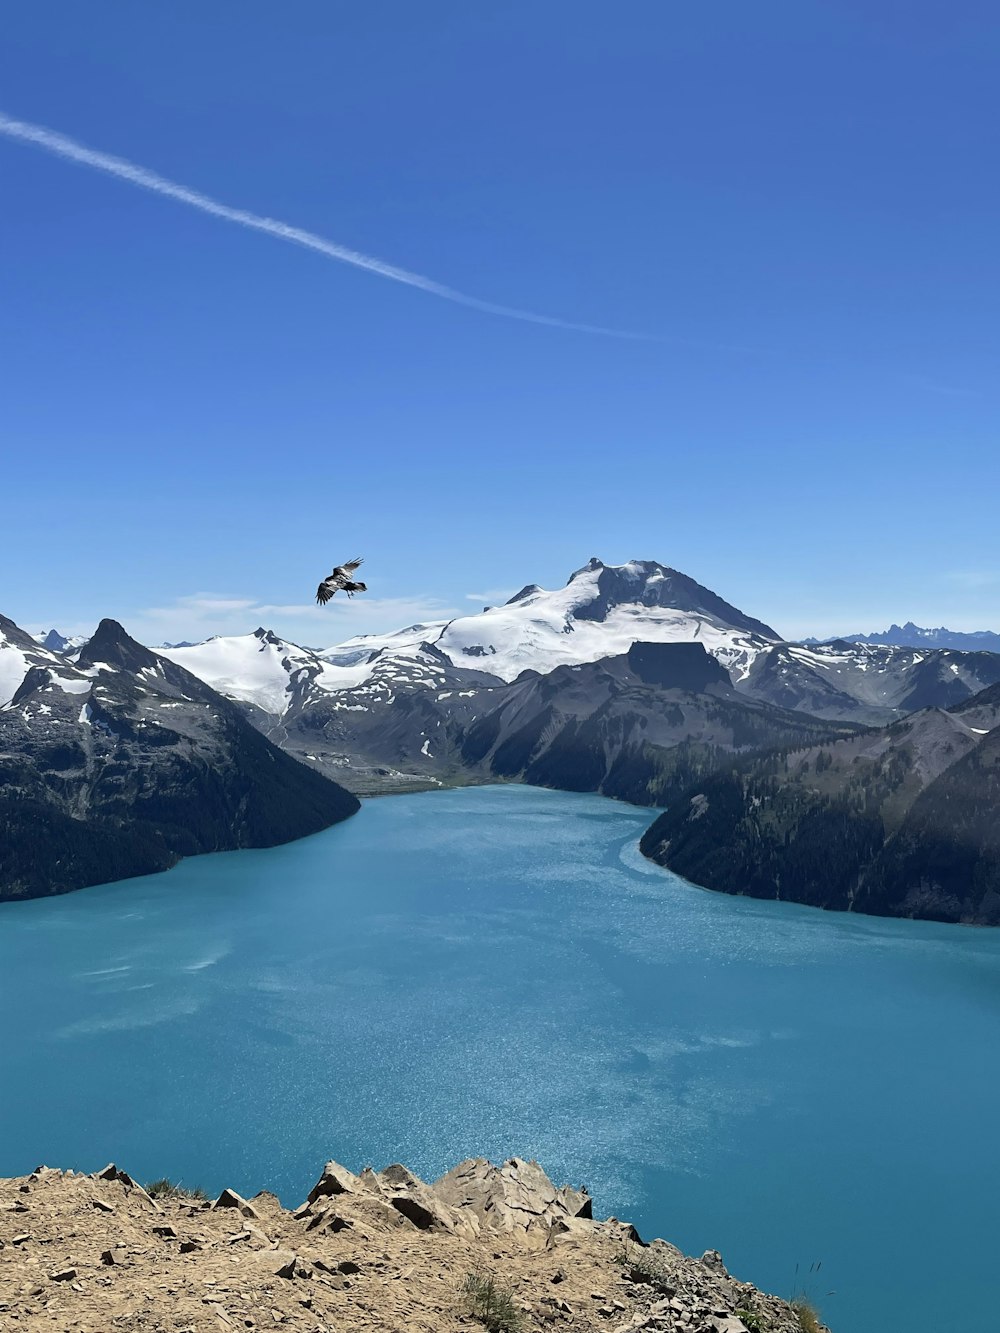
{"x": 13, "y": 669}
{"x": 71, "y": 686}
{"x": 262, "y": 671}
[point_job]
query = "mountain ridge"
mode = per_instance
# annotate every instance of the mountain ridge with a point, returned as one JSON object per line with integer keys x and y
{"x": 121, "y": 763}
{"x": 914, "y": 636}
{"x": 899, "y": 821}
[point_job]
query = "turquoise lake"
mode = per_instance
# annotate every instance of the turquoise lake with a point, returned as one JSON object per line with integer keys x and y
{"x": 497, "y": 970}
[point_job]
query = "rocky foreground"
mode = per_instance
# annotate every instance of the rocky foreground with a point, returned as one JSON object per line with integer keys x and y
{"x": 488, "y": 1246}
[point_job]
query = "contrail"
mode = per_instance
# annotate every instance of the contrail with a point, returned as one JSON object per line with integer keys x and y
{"x": 62, "y": 146}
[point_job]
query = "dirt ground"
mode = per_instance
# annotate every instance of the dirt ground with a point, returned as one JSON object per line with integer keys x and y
{"x": 97, "y": 1254}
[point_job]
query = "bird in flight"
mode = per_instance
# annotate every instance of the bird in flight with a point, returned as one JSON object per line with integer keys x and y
{"x": 340, "y": 581}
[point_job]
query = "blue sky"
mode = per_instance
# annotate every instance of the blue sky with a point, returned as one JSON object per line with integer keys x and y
{"x": 796, "y": 201}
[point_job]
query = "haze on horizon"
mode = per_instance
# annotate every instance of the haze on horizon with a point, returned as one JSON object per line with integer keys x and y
{"x": 199, "y": 422}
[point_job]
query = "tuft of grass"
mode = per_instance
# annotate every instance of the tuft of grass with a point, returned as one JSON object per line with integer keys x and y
{"x": 807, "y": 1316}
{"x": 168, "y": 1189}
{"x": 491, "y": 1301}
{"x": 642, "y": 1266}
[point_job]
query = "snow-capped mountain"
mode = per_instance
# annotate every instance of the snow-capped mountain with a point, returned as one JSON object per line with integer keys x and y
{"x": 59, "y": 643}
{"x": 867, "y": 683}
{"x": 913, "y": 636}
{"x": 377, "y": 703}
{"x": 20, "y": 652}
{"x": 404, "y": 698}
{"x": 265, "y": 670}
{"x": 601, "y": 612}
{"x": 120, "y": 762}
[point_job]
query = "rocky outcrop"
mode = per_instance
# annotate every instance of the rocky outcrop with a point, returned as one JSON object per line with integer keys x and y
{"x": 94, "y": 1252}
{"x": 474, "y": 1198}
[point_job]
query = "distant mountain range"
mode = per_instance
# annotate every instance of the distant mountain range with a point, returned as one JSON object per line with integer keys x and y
{"x": 912, "y": 636}
{"x": 387, "y": 712}
{"x": 632, "y": 680}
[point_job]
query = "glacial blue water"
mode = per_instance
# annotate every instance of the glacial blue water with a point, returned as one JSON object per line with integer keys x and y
{"x": 497, "y": 971}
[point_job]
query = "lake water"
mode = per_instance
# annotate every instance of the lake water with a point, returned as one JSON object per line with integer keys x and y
{"x": 496, "y": 971}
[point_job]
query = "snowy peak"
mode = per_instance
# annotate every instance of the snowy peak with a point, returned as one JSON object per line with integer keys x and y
{"x": 20, "y": 655}
{"x": 60, "y": 643}
{"x": 649, "y": 584}
{"x": 267, "y": 671}
{"x": 600, "y": 612}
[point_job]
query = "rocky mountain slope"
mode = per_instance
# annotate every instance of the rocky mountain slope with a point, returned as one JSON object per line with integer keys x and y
{"x": 870, "y": 685}
{"x": 900, "y": 821}
{"x": 495, "y": 1247}
{"x": 369, "y": 719}
{"x": 632, "y": 726}
{"x": 120, "y": 762}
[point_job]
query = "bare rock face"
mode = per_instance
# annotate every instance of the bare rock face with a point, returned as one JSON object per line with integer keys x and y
{"x": 517, "y": 1197}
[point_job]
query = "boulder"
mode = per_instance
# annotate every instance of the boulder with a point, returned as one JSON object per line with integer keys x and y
{"x": 336, "y": 1179}
{"x": 114, "y": 1173}
{"x": 230, "y": 1199}
{"x": 713, "y": 1259}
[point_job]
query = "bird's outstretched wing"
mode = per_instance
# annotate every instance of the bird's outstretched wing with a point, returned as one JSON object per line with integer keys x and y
{"x": 346, "y": 570}
{"x": 340, "y": 581}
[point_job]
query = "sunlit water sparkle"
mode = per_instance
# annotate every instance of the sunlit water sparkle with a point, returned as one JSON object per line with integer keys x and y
{"x": 497, "y": 971}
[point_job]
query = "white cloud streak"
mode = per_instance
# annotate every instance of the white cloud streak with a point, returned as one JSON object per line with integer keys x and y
{"x": 492, "y": 596}
{"x": 62, "y": 146}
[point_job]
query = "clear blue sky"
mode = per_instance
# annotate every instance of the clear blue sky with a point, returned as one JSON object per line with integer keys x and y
{"x": 798, "y": 200}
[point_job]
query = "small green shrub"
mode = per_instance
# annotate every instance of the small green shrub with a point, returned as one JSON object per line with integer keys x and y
{"x": 491, "y": 1302}
{"x": 167, "y": 1189}
{"x": 753, "y": 1320}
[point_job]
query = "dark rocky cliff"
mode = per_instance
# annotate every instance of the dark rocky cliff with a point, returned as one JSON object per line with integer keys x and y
{"x": 123, "y": 763}
{"x": 904, "y": 821}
